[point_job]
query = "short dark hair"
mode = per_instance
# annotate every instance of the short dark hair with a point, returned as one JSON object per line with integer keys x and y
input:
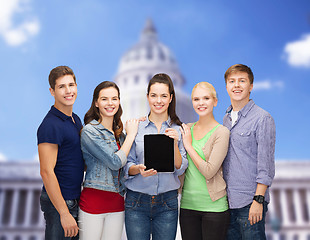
{"x": 240, "y": 68}
{"x": 58, "y": 72}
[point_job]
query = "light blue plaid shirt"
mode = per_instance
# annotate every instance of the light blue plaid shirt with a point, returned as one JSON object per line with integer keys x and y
{"x": 161, "y": 182}
{"x": 250, "y": 157}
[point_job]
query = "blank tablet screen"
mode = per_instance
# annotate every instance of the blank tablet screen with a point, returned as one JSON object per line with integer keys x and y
{"x": 159, "y": 152}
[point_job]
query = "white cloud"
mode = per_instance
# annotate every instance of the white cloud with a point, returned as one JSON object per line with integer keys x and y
{"x": 298, "y": 53}
{"x": 3, "y": 158}
{"x": 13, "y": 33}
{"x": 267, "y": 85}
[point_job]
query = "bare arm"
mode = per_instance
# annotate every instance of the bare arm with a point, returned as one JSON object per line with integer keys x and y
{"x": 187, "y": 141}
{"x": 131, "y": 128}
{"x": 48, "y": 157}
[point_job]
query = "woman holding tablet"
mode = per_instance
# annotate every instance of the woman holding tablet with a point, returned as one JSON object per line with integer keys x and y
{"x": 151, "y": 205}
{"x": 204, "y": 208}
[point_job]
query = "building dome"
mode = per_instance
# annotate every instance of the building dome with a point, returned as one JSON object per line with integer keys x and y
{"x": 138, "y": 65}
{"x": 150, "y": 53}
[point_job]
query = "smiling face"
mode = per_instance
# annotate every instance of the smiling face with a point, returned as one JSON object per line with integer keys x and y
{"x": 203, "y": 101}
{"x": 108, "y": 102}
{"x": 239, "y": 88}
{"x": 65, "y": 92}
{"x": 159, "y": 98}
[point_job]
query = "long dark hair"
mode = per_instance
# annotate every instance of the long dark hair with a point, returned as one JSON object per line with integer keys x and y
{"x": 93, "y": 112}
{"x": 165, "y": 79}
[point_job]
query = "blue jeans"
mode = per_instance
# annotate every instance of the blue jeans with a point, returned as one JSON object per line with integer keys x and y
{"x": 53, "y": 228}
{"x": 240, "y": 227}
{"x": 147, "y": 215}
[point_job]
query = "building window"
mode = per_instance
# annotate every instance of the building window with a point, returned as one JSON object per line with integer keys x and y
{"x": 149, "y": 53}
{"x": 304, "y": 204}
{"x": 290, "y": 200}
{"x": 21, "y": 207}
{"x": 35, "y": 210}
{"x": 8, "y": 198}
{"x": 161, "y": 54}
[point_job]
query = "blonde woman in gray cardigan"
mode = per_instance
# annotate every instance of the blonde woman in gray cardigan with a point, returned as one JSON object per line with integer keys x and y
{"x": 204, "y": 208}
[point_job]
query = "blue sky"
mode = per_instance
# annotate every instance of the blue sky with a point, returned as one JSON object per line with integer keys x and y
{"x": 206, "y": 37}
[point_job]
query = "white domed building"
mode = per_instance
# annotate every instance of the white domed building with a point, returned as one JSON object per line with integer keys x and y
{"x": 137, "y": 66}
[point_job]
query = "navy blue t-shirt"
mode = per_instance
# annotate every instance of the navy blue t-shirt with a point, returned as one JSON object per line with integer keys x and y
{"x": 58, "y": 128}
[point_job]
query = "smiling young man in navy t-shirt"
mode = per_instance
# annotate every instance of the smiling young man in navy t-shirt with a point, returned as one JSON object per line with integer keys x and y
{"x": 61, "y": 161}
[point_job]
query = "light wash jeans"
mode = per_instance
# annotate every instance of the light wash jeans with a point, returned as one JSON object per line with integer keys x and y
{"x": 147, "y": 215}
{"x": 53, "y": 228}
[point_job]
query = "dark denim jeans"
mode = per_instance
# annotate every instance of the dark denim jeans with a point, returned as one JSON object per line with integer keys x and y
{"x": 147, "y": 215}
{"x": 53, "y": 228}
{"x": 240, "y": 227}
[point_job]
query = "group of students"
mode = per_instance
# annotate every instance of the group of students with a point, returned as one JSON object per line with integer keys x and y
{"x": 223, "y": 172}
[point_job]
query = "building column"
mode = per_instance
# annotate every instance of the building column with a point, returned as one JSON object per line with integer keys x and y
{"x": 41, "y": 220}
{"x": 29, "y": 207}
{"x": 298, "y": 207}
{"x": 284, "y": 208}
{"x": 271, "y": 205}
{"x": 2, "y": 197}
{"x": 14, "y": 207}
{"x": 308, "y": 202}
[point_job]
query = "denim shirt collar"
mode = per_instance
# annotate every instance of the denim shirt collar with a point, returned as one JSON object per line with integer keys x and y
{"x": 244, "y": 111}
{"x": 168, "y": 122}
{"x": 99, "y": 126}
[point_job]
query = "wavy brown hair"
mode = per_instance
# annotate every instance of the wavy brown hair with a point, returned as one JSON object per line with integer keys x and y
{"x": 93, "y": 112}
{"x": 165, "y": 79}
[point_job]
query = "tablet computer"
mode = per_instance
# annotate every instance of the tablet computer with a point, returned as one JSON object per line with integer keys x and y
{"x": 159, "y": 152}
